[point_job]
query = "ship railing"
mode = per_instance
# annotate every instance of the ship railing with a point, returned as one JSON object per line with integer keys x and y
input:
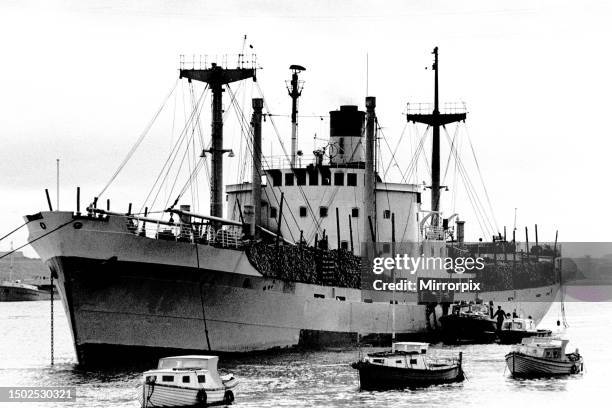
{"x": 276, "y": 162}
{"x": 226, "y": 61}
{"x": 284, "y": 162}
{"x": 425, "y": 108}
{"x": 228, "y": 236}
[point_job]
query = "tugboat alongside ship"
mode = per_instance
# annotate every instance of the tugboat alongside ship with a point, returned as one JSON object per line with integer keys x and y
{"x": 259, "y": 278}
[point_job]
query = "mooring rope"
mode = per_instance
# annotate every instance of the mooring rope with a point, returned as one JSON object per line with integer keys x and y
{"x": 34, "y": 240}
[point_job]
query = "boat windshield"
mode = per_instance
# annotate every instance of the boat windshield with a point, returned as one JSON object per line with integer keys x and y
{"x": 172, "y": 363}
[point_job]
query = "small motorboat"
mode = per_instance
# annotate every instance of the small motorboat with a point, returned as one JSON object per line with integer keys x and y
{"x": 543, "y": 357}
{"x": 515, "y": 329}
{"x": 468, "y": 323}
{"x": 187, "y": 381}
{"x": 406, "y": 366}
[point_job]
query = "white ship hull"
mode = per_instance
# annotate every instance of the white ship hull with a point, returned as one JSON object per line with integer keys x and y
{"x": 127, "y": 293}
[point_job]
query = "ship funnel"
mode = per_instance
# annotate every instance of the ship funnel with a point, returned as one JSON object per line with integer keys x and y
{"x": 345, "y": 132}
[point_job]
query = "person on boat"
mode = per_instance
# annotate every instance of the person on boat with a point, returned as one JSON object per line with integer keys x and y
{"x": 514, "y": 314}
{"x": 500, "y": 315}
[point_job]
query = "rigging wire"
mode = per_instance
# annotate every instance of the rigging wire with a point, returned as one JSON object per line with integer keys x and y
{"x": 165, "y": 170}
{"x": 484, "y": 186}
{"x": 246, "y": 125}
{"x": 479, "y": 209}
{"x": 394, "y": 152}
{"x": 139, "y": 140}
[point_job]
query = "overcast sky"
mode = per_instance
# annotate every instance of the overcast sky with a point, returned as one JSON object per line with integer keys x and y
{"x": 79, "y": 80}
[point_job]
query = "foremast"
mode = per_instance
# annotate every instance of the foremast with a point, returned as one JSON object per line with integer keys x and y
{"x": 217, "y": 77}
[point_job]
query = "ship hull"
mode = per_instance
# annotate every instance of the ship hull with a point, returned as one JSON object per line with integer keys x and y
{"x": 19, "y": 294}
{"x": 522, "y": 365}
{"x": 377, "y": 377}
{"x": 131, "y": 296}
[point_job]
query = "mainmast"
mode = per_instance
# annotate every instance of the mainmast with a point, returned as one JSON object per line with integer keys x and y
{"x": 216, "y": 77}
{"x": 295, "y": 91}
{"x": 435, "y": 120}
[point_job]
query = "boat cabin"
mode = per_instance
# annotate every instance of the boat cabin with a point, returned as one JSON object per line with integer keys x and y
{"x": 410, "y": 347}
{"x": 543, "y": 347}
{"x": 186, "y": 371}
{"x": 519, "y": 324}
{"x": 474, "y": 309}
{"x": 403, "y": 355}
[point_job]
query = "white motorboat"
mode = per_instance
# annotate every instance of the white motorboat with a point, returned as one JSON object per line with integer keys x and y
{"x": 186, "y": 381}
{"x": 543, "y": 357}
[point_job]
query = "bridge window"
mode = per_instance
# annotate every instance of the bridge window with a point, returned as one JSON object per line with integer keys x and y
{"x": 277, "y": 178}
{"x": 319, "y": 296}
{"x": 344, "y": 244}
{"x": 301, "y": 178}
{"x": 272, "y": 212}
{"x": 341, "y": 298}
{"x": 201, "y": 378}
{"x": 323, "y": 212}
{"x": 303, "y": 211}
{"x": 167, "y": 378}
{"x": 338, "y": 179}
{"x": 313, "y": 178}
{"x": 325, "y": 181}
{"x": 351, "y": 179}
{"x": 355, "y": 212}
{"x": 289, "y": 179}
{"x": 186, "y": 379}
{"x": 387, "y": 214}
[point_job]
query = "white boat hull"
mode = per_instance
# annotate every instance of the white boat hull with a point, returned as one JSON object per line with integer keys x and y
{"x": 124, "y": 292}
{"x": 522, "y": 365}
{"x": 160, "y": 395}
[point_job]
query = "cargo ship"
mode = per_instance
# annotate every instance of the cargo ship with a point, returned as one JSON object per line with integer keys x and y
{"x": 283, "y": 264}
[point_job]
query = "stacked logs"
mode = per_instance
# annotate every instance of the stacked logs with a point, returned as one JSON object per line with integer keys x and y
{"x": 305, "y": 264}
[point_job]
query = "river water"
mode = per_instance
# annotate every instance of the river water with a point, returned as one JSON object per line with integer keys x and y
{"x": 311, "y": 379}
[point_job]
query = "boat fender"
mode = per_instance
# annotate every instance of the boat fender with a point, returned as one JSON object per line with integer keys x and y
{"x": 202, "y": 397}
{"x": 229, "y": 397}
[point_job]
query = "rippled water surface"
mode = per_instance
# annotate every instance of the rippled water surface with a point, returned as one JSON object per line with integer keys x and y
{"x": 305, "y": 379}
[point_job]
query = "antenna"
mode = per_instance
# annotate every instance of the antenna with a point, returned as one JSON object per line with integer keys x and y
{"x": 367, "y": 74}
{"x": 295, "y": 91}
{"x": 515, "y": 218}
